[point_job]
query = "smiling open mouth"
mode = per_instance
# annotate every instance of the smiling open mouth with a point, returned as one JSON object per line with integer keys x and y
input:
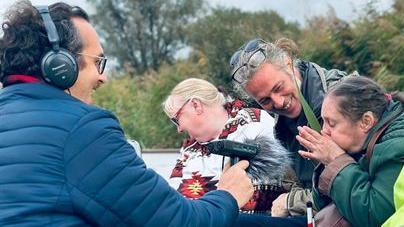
{"x": 287, "y": 104}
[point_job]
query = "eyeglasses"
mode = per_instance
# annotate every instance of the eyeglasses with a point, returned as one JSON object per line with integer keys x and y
{"x": 175, "y": 118}
{"x": 100, "y": 63}
{"x": 257, "y": 56}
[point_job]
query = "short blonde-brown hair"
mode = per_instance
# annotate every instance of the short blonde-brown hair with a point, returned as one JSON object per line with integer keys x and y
{"x": 190, "y": 88}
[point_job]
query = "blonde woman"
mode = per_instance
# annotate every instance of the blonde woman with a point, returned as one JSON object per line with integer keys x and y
{"x": 197, "y": 108}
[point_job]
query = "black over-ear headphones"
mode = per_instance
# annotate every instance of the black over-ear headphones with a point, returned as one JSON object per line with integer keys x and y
{"x": 59, "y": 67}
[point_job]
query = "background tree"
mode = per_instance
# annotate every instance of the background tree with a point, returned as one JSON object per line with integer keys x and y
{"x": 379, "y": 45}
{"x": 327, "y": 40}
{"x": 143, "y": 34}
{"x": 137, "y": 103}
{"x": 215, "y": 37}
{"x": 373, "y": 44}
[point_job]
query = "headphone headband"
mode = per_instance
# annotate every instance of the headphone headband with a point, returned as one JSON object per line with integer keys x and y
{"x": 50, "y": 27}
{"x": 59, "y": 66}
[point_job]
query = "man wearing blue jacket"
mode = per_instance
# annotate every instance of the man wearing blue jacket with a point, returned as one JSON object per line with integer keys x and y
{"x": 64, "y": 162}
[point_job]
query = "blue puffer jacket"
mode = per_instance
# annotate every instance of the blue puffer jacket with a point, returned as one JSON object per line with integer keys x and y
{"x": 65, "y": 163}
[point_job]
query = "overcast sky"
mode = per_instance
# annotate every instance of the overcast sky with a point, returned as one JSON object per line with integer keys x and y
{"x": 291, "y": 10}
{"x": 300, "y": 10}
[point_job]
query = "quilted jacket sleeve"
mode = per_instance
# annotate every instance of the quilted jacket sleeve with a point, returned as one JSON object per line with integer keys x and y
{"x": 110, "y": 185}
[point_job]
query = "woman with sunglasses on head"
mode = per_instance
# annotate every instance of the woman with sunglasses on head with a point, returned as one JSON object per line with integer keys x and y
{"x": 197, "y": 107}
{"x": 361, "y": 151}
{"x": 269, "y": 74}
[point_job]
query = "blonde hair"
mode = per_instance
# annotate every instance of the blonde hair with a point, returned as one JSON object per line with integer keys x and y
{"x": 191, "y": 88}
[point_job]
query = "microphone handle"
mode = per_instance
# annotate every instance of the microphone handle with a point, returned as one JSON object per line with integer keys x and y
{"x": 234, "y": 160}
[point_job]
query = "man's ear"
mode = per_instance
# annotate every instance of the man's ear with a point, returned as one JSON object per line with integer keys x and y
{"x": 288, "y": 62}
{"x": 367, "y": 121}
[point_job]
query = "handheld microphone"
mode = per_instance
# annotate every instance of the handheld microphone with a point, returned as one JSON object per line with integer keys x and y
{"x": 268, "y": 158}
{"x": 234, "y": 150}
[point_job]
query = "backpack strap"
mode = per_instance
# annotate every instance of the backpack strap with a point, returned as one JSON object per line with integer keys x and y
{"x": 321, "y": 73}
{"x": 376, "y": 136}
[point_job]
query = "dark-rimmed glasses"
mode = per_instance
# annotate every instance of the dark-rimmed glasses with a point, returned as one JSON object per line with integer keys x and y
{"x": 256, "y": 58}
{"x": 175, "y": 118}
{"x": 100, "y": 63}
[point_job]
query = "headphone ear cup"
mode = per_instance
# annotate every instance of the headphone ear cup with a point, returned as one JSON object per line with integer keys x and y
{"x": 59, "y": 68}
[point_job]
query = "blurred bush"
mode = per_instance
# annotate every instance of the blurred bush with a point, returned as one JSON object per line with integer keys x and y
{"x": 373, "y": 44}
{"x": 136, "y": 101}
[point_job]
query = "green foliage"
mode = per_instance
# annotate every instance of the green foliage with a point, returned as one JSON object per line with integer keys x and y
{"x": 316, "y": 43}
{"x": 372, "y": 44}
{"x": 143, "y": 34}
{"x": 218, "y": 35}
{"x": 136, "y": 101}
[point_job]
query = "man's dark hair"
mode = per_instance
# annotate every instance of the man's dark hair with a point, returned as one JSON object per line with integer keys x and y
{"x": 25, "y": 40}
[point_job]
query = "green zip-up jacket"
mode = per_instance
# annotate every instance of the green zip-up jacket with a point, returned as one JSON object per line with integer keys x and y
{"x": 364, "y": 196}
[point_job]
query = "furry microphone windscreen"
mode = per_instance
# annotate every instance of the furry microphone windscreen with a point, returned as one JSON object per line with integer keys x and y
{"x": 270, "y": 164}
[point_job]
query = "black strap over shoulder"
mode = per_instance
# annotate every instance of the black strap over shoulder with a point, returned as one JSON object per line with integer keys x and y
{"x": 376, "y": 136}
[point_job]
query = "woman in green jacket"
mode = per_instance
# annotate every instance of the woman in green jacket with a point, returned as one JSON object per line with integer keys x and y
{"x": 361, "y": 188}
